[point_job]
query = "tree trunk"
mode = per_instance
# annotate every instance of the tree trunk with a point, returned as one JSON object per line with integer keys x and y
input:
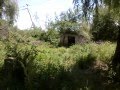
{"x": 116, "y": 57}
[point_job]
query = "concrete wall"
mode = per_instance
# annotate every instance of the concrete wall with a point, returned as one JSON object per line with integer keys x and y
{"x": 64, "y": 39}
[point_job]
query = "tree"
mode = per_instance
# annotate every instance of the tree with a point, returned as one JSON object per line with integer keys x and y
{"x": 105, "y": 28}
{"x": 68, "y": 21}
{"x": 8, "y": 10}
{"x": 114, "y": 9}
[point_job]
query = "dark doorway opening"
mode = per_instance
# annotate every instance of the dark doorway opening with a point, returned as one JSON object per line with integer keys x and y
{"x": 71, "y": 40}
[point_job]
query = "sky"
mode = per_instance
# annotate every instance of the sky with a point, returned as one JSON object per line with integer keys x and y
{"x": 41, "y": 11}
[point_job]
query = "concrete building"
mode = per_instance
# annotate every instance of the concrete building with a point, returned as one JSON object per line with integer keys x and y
{"x": 71, "y": 38}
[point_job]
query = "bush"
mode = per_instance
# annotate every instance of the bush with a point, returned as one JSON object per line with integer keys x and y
{"x": 51, "y": 68}
{"x": 19, "y": 68}
{"x": 104, "y": 28}
{"x": 50, "y": 36}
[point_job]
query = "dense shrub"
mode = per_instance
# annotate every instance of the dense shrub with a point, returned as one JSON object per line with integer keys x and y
{"x": 32, "y": 35}
{"x": 64, "y": 68}
{"x": 18, "y": 68}
{"x": 104, "y": 28}
{"x": 50, "y": 36}
{"x": 68, "y": 69}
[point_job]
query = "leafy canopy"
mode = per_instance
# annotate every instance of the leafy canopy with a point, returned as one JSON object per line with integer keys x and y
{"x": 92, "y": 5}
{"x": 8, "y": 10}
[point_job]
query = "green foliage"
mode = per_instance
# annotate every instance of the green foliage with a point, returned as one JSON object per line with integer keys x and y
{"x": 24, "y": 36}
{"x": 67, "y": 22}
{"x": 2, "y": 53}
{"x": 51, "y": 36}
{"x": 85, "y": 30}
{"x": 8, "y": 10}
{"x": 62, "y": 68}
{"x": 23, "y": 62}
{"x": 24, "y": 54}
{"x": 3, "y": 22}
{"x": 104, "y": 27}
{"x": 34, "y": 35}
{"x": 54, "y": 64}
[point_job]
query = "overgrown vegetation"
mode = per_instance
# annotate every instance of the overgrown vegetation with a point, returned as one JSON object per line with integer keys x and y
{"x": 37, "y": 60}
{"x": 33, "y": 60}
{"x": 60, "y": 68}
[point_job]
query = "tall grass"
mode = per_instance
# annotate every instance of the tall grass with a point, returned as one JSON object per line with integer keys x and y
{"x": 65, "y": 68}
